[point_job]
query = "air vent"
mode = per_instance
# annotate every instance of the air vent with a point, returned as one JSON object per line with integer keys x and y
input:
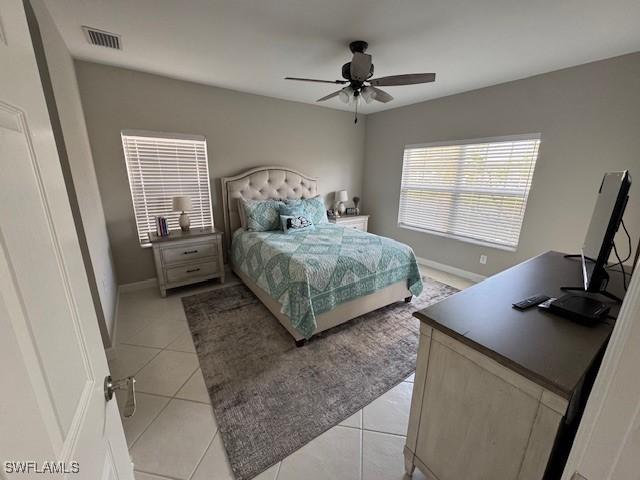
{"x": 102, "y": 38}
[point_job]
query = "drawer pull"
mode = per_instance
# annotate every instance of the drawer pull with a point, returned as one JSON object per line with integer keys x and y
{"x": 193, "y": 270}
{"x": 188, "y": 252}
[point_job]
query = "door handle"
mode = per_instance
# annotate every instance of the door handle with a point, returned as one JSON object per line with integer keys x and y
{"x": 127, "y": 383}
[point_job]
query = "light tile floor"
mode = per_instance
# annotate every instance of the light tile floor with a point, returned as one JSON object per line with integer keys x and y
{"x": 174, "y": 435}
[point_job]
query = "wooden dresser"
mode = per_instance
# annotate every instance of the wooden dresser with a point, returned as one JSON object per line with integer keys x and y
{"x": 183, "y": 258}
{"x": 359, "y": 222}
{"x": 497, "y": 391}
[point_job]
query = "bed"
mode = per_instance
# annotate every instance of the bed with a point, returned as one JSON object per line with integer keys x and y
{"x": 319, "y": 279}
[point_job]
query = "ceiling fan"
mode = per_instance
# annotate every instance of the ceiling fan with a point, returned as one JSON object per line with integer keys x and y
{"x": 357, "y": 74}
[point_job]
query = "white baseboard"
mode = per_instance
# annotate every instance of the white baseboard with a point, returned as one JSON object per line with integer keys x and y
{"x": 132, "y": 287}
{"x": 474, "y": 277}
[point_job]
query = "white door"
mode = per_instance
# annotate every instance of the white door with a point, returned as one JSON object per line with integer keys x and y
{"x": 607, "y": 445}
{"x": 52, "y": 365}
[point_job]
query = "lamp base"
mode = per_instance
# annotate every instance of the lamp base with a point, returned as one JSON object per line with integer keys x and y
{"x": 341, "y": 208}
{"x": 185, "y": 222}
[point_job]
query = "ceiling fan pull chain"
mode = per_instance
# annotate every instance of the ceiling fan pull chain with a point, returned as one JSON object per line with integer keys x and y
{"x": 355, "y": 120}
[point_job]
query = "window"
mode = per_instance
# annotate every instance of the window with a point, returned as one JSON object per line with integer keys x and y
{"x": 161, "y": 166}
{"x": 472, "y": 190}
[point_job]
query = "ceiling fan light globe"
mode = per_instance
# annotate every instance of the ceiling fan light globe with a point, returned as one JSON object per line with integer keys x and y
{"x": 368, "y": 94}
{"x": 346, "y": 94}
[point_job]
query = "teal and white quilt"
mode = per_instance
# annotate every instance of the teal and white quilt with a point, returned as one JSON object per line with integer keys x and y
{"x": 311, "y": 272}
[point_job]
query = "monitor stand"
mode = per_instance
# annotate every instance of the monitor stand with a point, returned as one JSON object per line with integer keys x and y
{"x": 601, "y": 292}
{"x": 581, "y": 289}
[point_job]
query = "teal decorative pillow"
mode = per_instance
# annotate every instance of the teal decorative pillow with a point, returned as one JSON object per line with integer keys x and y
{"x": 292, "y": 224}
{"x": 262, "y": 215}
{"x": 292, "y": 209}
{"x": 314, "y": 209}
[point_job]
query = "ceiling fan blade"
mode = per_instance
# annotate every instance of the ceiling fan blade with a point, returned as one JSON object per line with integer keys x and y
{"x": 408, "y": 79}
{"x": 339, "y": 82}
{"x": 331, "y": 95}
{"x": 381, "y": 95}
{"x": 360, "y": 66}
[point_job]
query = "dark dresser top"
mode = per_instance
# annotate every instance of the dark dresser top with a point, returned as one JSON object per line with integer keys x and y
{"x": 549, "y": 350}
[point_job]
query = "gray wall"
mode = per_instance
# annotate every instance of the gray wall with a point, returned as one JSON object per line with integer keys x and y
{"x": 65, "y": 108}
{"x": 242, "y": 131}
{"x": 589, "y": 117}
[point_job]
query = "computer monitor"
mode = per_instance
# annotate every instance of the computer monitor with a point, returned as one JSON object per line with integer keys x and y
{"x": 605, "y": 221}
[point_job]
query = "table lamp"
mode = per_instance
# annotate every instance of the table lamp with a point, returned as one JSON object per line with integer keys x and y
{"x": 341, "y": 197}
{"x": 183, "y": 204}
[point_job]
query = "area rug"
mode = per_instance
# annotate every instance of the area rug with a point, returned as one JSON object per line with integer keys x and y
{"x": 271, "y": 398}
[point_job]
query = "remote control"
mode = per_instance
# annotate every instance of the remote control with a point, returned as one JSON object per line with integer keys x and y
{"x": 530, "y": 302}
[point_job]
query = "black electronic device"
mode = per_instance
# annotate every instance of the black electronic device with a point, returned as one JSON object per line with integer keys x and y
{"x": 605, "y": 221}
{"x": 580, "y": 308}
{"x": 547, "y": 303}
{"x": 530, "y": 302}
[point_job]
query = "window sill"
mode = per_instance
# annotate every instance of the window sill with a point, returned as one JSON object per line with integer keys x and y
{"x": 460, "y": 238}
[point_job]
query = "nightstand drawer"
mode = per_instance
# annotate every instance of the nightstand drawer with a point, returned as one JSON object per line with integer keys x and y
{"x": 357, "y": 222}
{"x": 357, "y": 225}
{"x": 180, "y": 274}
{"x": 183, "y": 258}
{"x": 189, "y": 252}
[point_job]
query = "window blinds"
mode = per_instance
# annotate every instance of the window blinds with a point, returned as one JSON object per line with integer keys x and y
{"x": 161, "y": 167}
{"x": 474, "y": 191}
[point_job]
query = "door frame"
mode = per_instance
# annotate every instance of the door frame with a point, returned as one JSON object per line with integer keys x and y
{"x": 624, "y": 340}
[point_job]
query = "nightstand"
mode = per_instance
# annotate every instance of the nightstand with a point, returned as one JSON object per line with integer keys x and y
{"x": 359, "y": 222}
{"x": 183, "y": 258}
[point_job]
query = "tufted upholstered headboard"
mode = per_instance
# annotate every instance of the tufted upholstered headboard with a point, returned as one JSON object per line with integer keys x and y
{"x": 263, "y": 183}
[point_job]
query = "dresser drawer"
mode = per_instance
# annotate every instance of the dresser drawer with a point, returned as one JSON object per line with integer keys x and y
{"x": 185, "y": 272}
{"x": 188, "y": 253}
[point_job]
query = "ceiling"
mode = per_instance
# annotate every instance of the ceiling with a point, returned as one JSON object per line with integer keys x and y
{"x": 250, "y": 45}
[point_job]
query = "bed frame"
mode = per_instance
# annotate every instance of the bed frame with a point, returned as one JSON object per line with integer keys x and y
{"x": 280, "y": 183}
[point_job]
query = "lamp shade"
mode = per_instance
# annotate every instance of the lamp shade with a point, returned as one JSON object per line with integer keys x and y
{"x": 341, "y": 196}
{"x": 182, "y": 204}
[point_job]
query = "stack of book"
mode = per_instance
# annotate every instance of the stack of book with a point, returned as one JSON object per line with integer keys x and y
{"x": 161, "y": 227}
